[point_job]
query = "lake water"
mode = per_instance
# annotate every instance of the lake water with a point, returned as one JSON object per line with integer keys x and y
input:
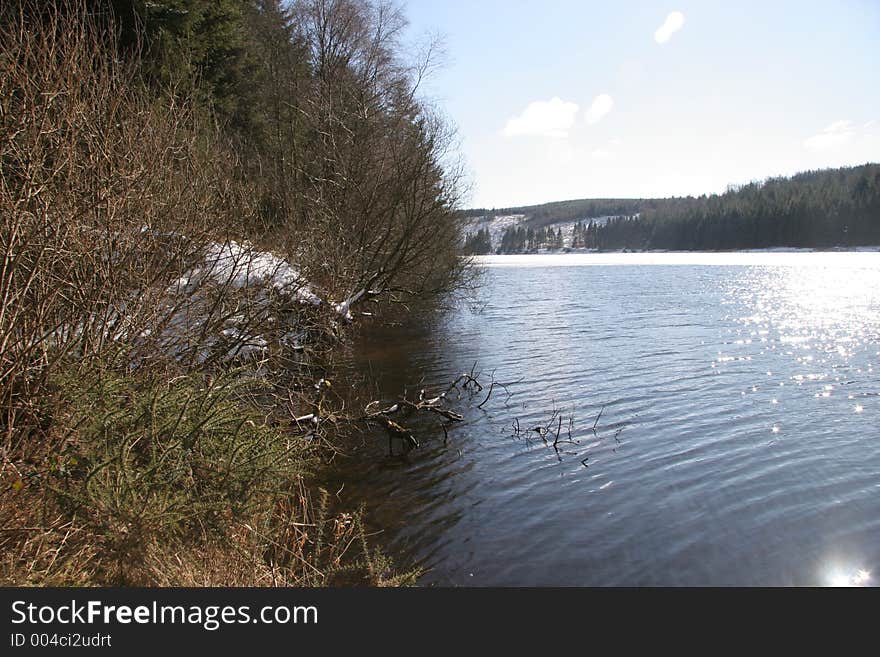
{"x": 739, "y": 442}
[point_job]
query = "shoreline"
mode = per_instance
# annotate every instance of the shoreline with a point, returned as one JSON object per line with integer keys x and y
{"x": 771, "y": 249}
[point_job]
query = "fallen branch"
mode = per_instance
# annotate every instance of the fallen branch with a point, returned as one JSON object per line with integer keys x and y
{"x": 379, "y": 416}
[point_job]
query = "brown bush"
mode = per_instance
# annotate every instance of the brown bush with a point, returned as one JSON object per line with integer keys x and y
{"x": 132, "y": 453}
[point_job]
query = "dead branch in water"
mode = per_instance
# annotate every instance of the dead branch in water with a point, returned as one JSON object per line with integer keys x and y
{"x": 376, "y": 414}
{"x": 547, "y": 430}
{"x": 492, "y": 388}
{"x": 471, "y": 383}
{"x": 394, "y": 430}
{"x": 325, "y": 418}
{"x": 602, "y": 410}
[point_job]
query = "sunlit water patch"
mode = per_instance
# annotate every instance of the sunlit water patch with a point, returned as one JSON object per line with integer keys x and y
{"x": 739, "y": 441}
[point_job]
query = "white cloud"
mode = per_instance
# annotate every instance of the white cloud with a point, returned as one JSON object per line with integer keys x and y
{"x": 671, "y": 25}
{"x": 552, "y": 118}
{"x": 601, "y": 154}
{"x": 833, "y": 136}
{"x": 602, "y": 104}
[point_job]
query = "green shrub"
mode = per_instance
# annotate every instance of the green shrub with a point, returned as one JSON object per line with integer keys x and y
{"x": 146, "y": 457}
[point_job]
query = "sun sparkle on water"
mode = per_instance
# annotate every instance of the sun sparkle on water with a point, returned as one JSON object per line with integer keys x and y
{"x": 787, "y": 340}
{"x": 839, "y": 579}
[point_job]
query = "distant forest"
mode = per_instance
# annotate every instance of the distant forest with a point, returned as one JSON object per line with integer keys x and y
{"x": 539, "y": 216}
{"x": 834, "y": 207}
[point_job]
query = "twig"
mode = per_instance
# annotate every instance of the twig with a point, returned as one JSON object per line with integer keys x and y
{"x": 598, "y": 416}
{"x": 491, "y": 388}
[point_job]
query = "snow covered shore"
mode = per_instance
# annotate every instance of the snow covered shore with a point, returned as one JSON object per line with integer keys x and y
{"x": 239, "y": 301}
{"x": 862, "y": 257}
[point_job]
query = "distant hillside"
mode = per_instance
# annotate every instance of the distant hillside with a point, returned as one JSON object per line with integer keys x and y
{"x": 540, "y": 216}
{"x": 826, "y": 208}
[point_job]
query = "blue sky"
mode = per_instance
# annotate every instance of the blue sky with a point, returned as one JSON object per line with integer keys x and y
{"x": 576, "y": 98}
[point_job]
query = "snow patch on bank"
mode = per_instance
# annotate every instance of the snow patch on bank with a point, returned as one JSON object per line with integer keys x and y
{"x": 233, "y": 301}
{"x": 266, "y": 280}
{"x": 240, "y": 266}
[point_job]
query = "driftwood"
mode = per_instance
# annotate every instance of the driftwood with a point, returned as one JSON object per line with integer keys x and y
{"x": 394, "y": 431}
{"x": 390, "y": 416}
{"x": 465, "y": 384}
{"x": 380, "y": 417}
{"x": 376, "y": 414}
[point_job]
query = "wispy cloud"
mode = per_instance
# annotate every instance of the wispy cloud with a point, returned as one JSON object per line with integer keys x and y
{"x": 833, "y": 136}
{"x": 551, "y": 118}
{"x": 671, "y": 25}
{"x": 601, "y": 105}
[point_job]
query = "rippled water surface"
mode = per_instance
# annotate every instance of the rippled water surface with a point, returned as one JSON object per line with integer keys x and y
{"x": 739, "y": 442}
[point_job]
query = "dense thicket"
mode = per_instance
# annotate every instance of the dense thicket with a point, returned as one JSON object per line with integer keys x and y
{"x": 353, "y": 174}
{"x": 197, "y": 197}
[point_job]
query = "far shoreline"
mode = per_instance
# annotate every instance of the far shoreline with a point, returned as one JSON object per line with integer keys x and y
{"x": 779, "y": 256}
{"x": 770, "y": 249}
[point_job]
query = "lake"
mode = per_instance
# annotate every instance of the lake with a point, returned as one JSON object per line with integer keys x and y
{"x": 738, "y": 441}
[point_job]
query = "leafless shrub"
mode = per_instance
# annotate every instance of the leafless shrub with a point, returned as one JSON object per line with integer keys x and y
{"x": 124, "y": 267}
{"x": 129, "y": 262}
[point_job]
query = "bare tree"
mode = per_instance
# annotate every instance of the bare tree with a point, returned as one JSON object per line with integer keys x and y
{"x": 378, "y": 182}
